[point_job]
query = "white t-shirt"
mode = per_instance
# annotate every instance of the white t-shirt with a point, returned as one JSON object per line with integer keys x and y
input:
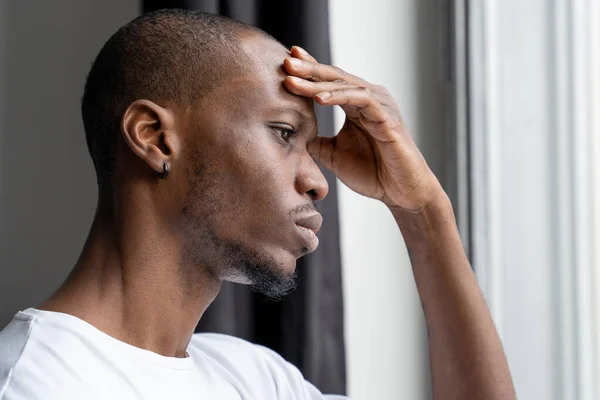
{"x": 51, "y": 356}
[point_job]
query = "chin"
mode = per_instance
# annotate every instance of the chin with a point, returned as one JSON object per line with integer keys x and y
{"x": 275, "y": 276}
{"x": 289, "y": 269}
{"x": 288, "y": 263}
{"x": 269, "y": 269}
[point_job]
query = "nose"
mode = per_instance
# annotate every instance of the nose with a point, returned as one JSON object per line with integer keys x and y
{"x": 310, "y": 179}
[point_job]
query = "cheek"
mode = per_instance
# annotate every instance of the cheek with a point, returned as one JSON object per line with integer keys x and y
{"x": 261, "y": 186}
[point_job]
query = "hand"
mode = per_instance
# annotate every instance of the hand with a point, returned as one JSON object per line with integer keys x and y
{"x": 373, "y": 154}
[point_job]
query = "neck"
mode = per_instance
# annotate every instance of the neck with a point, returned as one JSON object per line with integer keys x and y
{"x": 128, "y": 283}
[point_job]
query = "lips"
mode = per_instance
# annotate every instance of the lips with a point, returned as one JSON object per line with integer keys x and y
{"x": 312, "y": 222}
{"x": 308, "y": 227}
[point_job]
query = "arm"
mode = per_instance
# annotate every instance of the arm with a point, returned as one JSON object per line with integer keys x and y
{"x": 467, "y": 359}
{"x": 374, "y": 155}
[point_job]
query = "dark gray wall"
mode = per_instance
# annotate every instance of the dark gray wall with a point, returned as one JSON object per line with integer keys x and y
{"x": 47, "y": 183}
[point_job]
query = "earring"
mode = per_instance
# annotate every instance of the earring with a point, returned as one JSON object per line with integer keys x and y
{"x": 163, "y": 175}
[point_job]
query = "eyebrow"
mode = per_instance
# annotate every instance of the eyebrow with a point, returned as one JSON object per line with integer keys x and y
{"x": 293, "y": 110}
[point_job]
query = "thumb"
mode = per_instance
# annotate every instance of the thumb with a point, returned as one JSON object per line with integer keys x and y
{"x": 322, "y": 150}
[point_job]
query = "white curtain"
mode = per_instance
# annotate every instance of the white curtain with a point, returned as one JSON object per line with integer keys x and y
{"x": 533, "y": 101}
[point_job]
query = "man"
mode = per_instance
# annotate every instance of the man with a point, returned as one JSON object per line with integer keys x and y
{"x": 203, "y": 137}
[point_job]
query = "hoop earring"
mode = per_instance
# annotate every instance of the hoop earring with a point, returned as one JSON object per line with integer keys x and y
{"x": 165, "y": 173}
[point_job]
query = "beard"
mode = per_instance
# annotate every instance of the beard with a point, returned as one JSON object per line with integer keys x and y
{"x": 232, "y": 261}
{"x": 261, "y": 271}
{"x": 225, "y": 259}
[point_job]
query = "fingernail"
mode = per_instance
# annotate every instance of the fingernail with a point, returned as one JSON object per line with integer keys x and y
{"x": 324, "y": 95}
{"x": 295, "y": 62}
{"x": 295, "y": 79}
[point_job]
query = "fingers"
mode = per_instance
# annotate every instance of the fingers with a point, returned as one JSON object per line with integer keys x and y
{"x": 322, "y": 150}
{"x": 316, "y": 72}
{"x": 363, "y": 102}
{"x": 302, "y": 87}
{"x": 299, "y": 52}
{"x": 358, "y": 97}
{"x": 372, "y": 114}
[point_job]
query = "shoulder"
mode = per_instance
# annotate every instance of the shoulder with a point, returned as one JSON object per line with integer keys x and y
{"x": 221, "y": 344}
{"x": 257, "y": 369}
{"x": 246, "y": 360}
{"x": 13, "y": 340}
{"x": 24, "y": 374}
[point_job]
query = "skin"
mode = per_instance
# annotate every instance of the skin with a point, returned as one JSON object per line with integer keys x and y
{"x": 237, "y": 186}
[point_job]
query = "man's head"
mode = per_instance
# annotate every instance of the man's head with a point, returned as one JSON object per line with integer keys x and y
{"x": 204, "y": 95}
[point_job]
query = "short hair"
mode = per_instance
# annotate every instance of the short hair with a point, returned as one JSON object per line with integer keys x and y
{"x": 172, "y": 54}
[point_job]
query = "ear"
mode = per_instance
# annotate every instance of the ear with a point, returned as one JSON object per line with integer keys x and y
{"x": 148, "y": 130}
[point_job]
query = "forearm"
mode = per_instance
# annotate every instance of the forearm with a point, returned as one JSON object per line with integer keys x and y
{"x": 467, "y": 358}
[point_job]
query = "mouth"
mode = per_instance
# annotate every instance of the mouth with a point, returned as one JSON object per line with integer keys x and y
{"x": 308, "y": 227}
{"x": 309, "y": 237}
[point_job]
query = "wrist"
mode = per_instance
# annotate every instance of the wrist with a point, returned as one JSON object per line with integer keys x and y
{"x": 434, "y": 215}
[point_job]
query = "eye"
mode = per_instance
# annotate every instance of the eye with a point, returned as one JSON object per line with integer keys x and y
{"x": 286, "y": 133}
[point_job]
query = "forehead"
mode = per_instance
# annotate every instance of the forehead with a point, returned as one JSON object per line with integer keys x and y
{"x": 264, "y": 77}
{"x": 266, "y": 55}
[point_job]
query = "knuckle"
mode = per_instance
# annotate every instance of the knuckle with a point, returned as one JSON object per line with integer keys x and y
{"x": 339, "y": 71}
{"x": 380, "y": 89}
{"x": 312, "y": 71}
